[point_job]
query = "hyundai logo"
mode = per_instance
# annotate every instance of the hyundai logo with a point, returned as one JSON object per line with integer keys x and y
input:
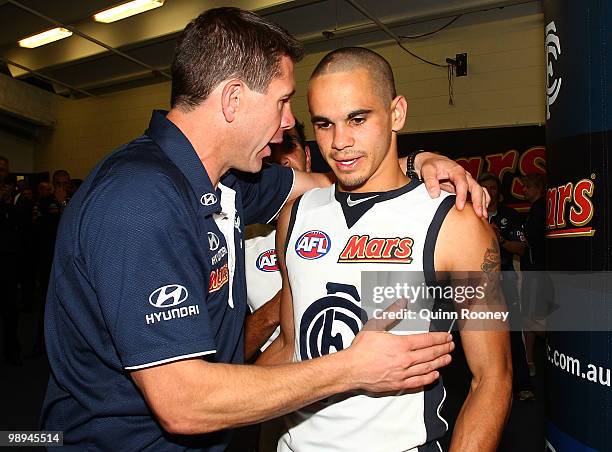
{"x": 208, "y": 199}
{"x": 168, "y": 296}
{"x": 213, "y": 241}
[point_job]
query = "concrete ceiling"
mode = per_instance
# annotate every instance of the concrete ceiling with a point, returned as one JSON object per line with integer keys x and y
{"x": 138, "y": 50}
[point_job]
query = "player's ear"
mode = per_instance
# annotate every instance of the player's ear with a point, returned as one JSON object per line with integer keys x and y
{"x": 231, "y": 96}
{"x": 308, "y": 161}
{"x": 399, "y": 108}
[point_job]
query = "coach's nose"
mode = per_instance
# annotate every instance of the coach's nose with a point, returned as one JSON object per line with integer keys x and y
{"x": 287, "y": 120}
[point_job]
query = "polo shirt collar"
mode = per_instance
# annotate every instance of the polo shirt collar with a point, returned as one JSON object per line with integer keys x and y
{"x": 177, "y": 147}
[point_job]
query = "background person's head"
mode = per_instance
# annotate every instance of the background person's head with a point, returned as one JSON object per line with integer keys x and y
{"x": 44, "y": 190}
{"x": 244, "y": 64}
{"x": 60, "y": 179}
{"x": 293, "y": 151}
{"x": 534, "y": 186}
{"x": 356, "y": 114}
{"x": 493, "y": 185}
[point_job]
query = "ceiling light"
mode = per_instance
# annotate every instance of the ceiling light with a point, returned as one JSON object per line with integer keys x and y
{"x": 55, "y": 34}
{"x": 126, "y": 10}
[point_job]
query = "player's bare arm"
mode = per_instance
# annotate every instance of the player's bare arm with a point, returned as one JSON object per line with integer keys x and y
{"x": 281, "y": 350}
{"x": 438, "y": 172}
{"x": 485, "y": 410}
{"x": 259, "y": 326}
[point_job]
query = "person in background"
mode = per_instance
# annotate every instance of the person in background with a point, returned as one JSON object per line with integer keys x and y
{"x": 61, "y": 188}
{"x": 263, "y": 278}
{"x": 507, "y": 224}
{"x": 26, "y": 260}
{"x": 46, "y": 220}
{"x": 536, "y": 286}
{"x": 11, "y": 348}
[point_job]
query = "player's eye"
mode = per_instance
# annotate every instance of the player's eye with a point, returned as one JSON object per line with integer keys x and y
{"x": 357, "y": 121}
{"x": 323, "y": 125}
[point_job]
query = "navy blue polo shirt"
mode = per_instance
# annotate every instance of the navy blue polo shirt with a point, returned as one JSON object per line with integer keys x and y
{"x": 148, "y": 269}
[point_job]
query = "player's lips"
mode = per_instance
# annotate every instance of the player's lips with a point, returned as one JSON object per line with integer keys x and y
{"x": 347, "y": 163}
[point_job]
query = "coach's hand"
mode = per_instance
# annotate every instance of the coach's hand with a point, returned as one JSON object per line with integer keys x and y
{"x": 439, "y": 172}
{"x": 384, "y": 362}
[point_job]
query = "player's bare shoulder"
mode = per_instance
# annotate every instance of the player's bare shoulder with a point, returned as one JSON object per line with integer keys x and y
{"x": 465, "y": 239}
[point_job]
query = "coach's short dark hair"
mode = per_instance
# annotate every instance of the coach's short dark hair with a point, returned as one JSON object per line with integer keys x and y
{"x": 351, "y": 58}
{"x": 228, "y": 42}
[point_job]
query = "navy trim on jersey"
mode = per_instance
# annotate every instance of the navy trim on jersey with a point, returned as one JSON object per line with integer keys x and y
{"x": 365, "y": 201}
{"x": 294, "y": 209}
{"x": 432, "y": 236}
{"x": 435, "y": 394}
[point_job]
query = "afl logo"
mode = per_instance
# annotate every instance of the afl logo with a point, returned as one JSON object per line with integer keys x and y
{"x": 331, "y": 323}
{"x": 266, "y": 262}
{"x": 553, "y": 50}
{"x": 168, "y": 296}
{"x": 312, "y": 245}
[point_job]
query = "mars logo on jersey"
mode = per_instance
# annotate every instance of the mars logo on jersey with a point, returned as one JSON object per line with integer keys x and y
{"x": 312, "y": 245}
{"x": 331, "y": 323}
{"x": 363, "y": 248}
{"x": 579, "y": 213}
{"x": 266, "y": 262}
{"x": 218, "y": 278}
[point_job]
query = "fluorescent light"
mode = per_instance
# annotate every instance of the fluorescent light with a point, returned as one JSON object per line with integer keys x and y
{"x": 126, "y": 10}
{"x": 55, "y": 34}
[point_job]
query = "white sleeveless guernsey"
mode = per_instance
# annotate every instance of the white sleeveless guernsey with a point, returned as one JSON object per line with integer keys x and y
{"x": 332, "y": 238}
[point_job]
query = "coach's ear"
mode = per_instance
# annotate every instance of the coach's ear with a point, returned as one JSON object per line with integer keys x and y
{"x": 231, "y": 95}
{"x": 399, "y": 108}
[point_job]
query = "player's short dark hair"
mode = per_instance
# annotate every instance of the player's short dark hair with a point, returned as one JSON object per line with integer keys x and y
{"x": 485, "y": 177}
{"x": 223, "y": 43}
{"x": 351, "y": 58}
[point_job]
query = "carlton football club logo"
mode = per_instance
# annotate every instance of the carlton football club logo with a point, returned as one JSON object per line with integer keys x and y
{"x": 553, "y": 50}
{"x": 313, "y": 245}
{"x": 266, "y": 261}
{"x": 331, "y": 323}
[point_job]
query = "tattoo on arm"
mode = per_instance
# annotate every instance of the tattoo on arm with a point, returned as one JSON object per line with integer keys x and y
{"x": 491, "y": 259}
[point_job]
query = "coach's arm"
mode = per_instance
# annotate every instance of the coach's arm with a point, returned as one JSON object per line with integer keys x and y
{"x": 484, "y": 413}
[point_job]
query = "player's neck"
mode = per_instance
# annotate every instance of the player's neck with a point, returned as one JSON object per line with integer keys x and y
{"x": 384, "y": 179}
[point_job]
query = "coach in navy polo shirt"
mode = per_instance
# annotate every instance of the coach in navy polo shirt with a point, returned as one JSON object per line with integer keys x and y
{"x": 145, "y": 311}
